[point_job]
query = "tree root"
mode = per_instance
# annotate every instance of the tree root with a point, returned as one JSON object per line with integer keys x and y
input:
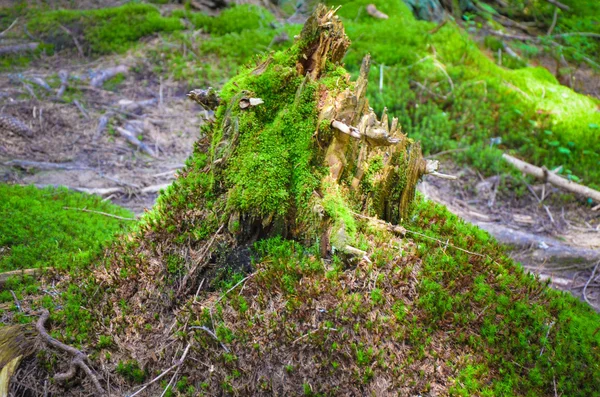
{"x": 79, "y": 360}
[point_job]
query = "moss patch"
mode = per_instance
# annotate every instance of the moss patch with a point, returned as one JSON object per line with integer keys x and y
{"x": 99, "y": 31}
{"x": 37, "y": 231}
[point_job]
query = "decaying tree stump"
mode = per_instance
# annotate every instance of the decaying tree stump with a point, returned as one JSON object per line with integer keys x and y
{"x": 295, "y": 151}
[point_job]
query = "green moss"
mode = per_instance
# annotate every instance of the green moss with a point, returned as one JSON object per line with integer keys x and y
{"x": 113, "y": 83}
{"x": 100, "y": 31}
{"x": 468, "y": 99}
{"x": 520, "y": 312}
{"x": 131, "y": 371}
{"x": 37, "y": 231}
{"x": 237, "y": 35}
{"x": 232, "y": 20}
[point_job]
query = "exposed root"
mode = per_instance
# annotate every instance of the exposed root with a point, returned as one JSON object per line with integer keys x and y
{"x": 79, "y": 359}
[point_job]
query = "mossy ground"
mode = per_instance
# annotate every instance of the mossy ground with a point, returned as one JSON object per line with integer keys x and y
{"x": 423, "y": 317}
{"x": 38, "y": 231}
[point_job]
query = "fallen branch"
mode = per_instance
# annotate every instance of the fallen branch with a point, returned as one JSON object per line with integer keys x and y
{"x": 559, "y": 5}
{"x": 213, "y": 335}
{"x": 63, "y": 75}
{"x": 101, "y": 213}
{"x": 67, "y": 31}
{"x": 544, "y": 174}
{"x": 79, "y": 358}
{"x": 22, "y": 273}
{"x": 41, "y": 82}
{"x": 397, "y": 229}
{"x": 375, "y": 13}
{"x": 554, "y": 21}
{"x": 445, "y": 243}
{"x": 103, "y": 75}
{"x": 9, "y": 28}
{"x": 582, "y": 34}
{"x": 130, "y": 136}
{"x": 42, "y": 165}
{"x": 159, "y": 377}
{"x": 17, "y": 48}
{"x": 102, "y": 124}
{"x": 81, "y": 109}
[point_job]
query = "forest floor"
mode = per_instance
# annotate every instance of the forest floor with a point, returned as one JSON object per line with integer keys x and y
{"x": 76, "y": 143}
{"x": 68, "y": 148}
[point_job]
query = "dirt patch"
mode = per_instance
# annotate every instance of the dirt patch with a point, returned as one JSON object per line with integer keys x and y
{"x": 69, "y": 147}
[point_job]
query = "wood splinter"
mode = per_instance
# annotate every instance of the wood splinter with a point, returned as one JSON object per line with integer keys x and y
{"x": 79, "y": 360}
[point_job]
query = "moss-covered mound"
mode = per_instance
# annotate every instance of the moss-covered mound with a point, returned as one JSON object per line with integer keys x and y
{"x": 290, "y": 257}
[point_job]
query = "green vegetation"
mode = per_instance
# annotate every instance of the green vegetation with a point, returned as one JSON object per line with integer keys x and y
{"x": 582, "y": 16}
{"x": 37, "y": 230}
{"x": 495, "y": 329}
{"x": 442, "y": 310}
{"x": 448, "y": 94}
{"x": 236, "y": 36}
{"x": 99, "y": 31}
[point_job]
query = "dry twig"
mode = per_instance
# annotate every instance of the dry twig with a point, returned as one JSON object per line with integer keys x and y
{"x": 67, "y": 31}
{"x": 100, "y": 213}
{"x": 9, "y": 28}
{"x": 544, "y": 174}
{"x": 159, "y": 377}
{"x": 213, "y": 335}
{"x": 559, "y": 5}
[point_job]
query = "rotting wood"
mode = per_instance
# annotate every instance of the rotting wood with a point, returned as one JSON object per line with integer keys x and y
{"x": 545, "y": 175}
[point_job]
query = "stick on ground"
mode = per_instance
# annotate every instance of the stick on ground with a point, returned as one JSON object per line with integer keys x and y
{"x": 544, "y": 174}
